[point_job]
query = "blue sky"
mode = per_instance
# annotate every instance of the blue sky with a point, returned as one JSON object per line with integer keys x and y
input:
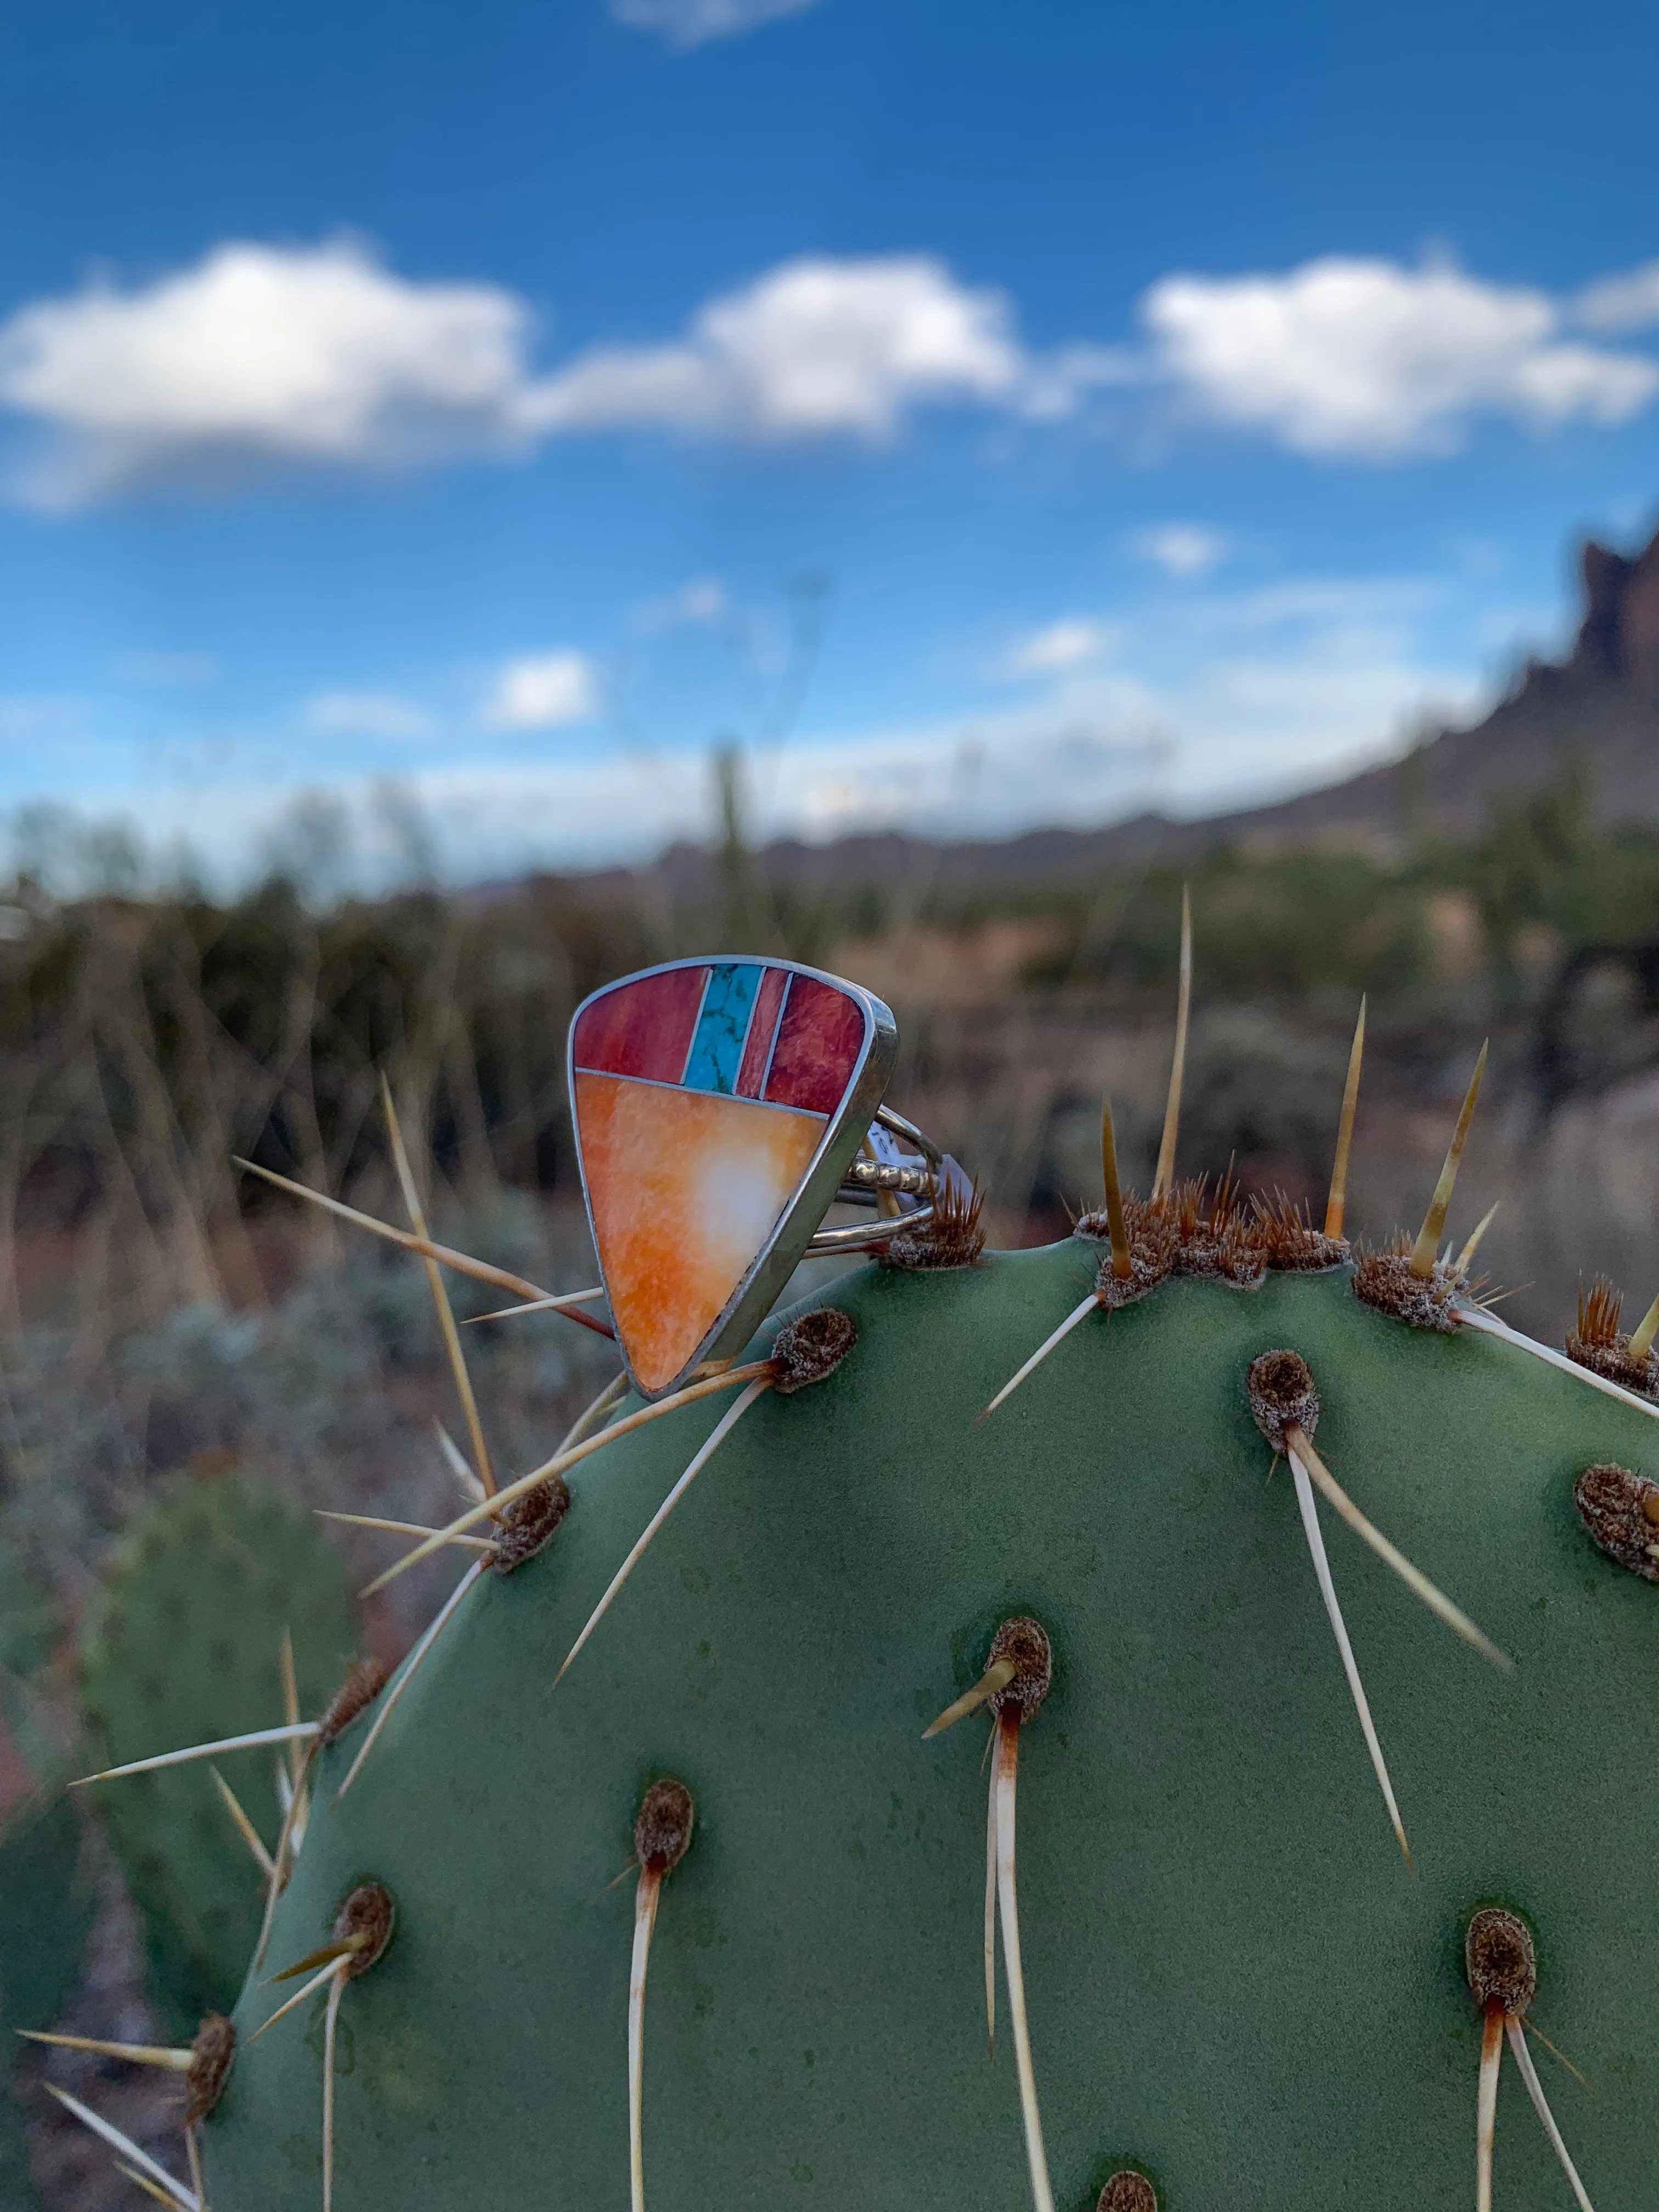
{"x": 1119, "y": 405}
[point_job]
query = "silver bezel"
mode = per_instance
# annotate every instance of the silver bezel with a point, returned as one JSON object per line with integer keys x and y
{"x": 785, "y": 1248}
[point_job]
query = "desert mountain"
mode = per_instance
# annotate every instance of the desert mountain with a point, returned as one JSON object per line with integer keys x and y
{"x": 1598, "y": 708}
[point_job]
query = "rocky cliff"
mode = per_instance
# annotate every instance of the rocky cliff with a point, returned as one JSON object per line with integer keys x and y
{"x": 1598, "y": 708}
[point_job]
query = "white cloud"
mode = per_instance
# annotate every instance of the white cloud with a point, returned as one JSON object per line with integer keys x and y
{"x": 685, "y": 23}
{"x": 1367, "y": 360}
{"x": 261, "y": 357}
{"x": 26, "y": 717}
{"x": 1261, "y": 691}
{"x": 815, "y": 348}
{"x": 1068, "y": 643}
{"x": 1055, "y": 384}
{"x": 365, "y": 715}
{"x": 167, "y": 672}
{"x": 703, "y": 599}
{"x": 1181, "y": 548}
{"x": 1628, "y": 302}
{"x": 1212, "y": 699}
{"x": 543, "y": 691}
{"x": 269, "y": 356}
{"x": 1301, "y": 604}
{"x": 258, "y": 355}
{"x": 1066, "y": 759}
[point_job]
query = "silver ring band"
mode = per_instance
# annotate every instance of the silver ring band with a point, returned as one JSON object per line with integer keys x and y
{"x": 866, "y": 1179}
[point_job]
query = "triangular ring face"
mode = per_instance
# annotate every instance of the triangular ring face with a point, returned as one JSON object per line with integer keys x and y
{"x": 717, "y": 1104}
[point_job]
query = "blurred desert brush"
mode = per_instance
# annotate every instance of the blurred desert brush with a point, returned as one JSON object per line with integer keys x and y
{"x": 168, "y": 1328}
{"x": 158, "y": 1313}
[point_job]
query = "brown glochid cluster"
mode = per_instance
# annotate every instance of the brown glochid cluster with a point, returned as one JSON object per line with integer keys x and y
{"x": 662, "y": 1830}
{"x": 211, "y": 2051}
{"x": 1199, "y": 1219}
{"x": 1154, "y": 1243}
{"x": 1598, "y": 1342}
{"x": 1288, "y": 1240}
{"x": 1215, "y": 1235}
{"x": 366, "y": 1918}
{"x": 806, "y": 1351}
{"x": 1621, "y": 1511}
{"x": 953, "y": 1238}
{"x": 1500, "y": 1961}
{"x": 1282, "y": 1396}
{"x": 365, "y": 1678}
{"x": 1024, "y": 1643}
{"x": 529, "y": 1523}
{"x": 1383, "y": 1279}
{"x": 1599, "y": 1310}
{"x": 1128, "y": 2191}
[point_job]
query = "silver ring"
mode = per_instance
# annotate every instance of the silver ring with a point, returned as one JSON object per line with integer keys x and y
{"x": 742, "y": 1073}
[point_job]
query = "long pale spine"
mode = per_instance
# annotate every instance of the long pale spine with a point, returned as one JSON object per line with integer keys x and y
{"x": 446, "y": 1312}
{"x": 1164, "y": 1181}
{"x": 1309, "y": 1512}
{"x": 1428, "y": 1237}
{"x": 1336, "y": 1204}
{"x": 1007, "y": 1767}
{"x": 645, "y": 1919}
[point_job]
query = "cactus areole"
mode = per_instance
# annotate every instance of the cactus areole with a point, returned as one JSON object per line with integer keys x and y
{"x": 1236, "y": 1995}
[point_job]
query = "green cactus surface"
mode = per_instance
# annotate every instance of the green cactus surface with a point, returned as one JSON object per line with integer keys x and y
{"x": 181, "y": 1645}
{"x": 1235, "y": 1986}
{"x": 46, "y": 1907}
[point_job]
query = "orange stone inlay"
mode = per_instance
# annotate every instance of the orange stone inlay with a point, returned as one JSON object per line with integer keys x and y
{"x": 684, "y": 1187}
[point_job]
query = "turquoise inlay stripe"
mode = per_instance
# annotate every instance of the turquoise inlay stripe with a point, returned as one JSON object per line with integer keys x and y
{"x": 716, "y": 1051}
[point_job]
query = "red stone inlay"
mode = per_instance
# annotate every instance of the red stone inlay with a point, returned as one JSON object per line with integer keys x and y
{"x": 819, "y": 1041}
{"x": 642, "y": 1027}
{"x": 762, "y": 1028}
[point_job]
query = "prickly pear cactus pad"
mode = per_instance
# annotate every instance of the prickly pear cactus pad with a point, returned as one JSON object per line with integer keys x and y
{"x": 182, "y": 1645}
{"x": 46, "y": 1905}
{"x": 1236, "y": 1991}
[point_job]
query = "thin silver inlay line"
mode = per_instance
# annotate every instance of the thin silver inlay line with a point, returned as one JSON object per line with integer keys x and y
{"x": 654, "y": 1083}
